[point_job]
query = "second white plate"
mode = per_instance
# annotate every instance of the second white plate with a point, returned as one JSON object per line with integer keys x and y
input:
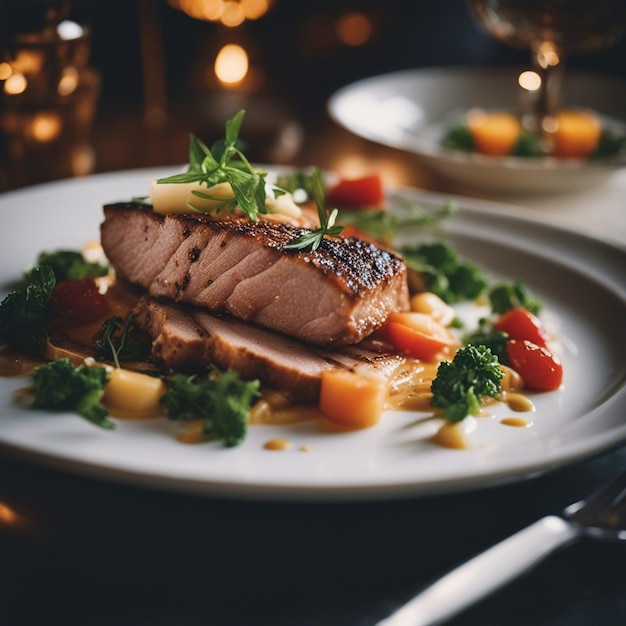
{"x": 412, "y": 110}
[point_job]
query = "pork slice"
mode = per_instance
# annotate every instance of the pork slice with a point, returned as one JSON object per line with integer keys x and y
{"x": 190, "y": 339}
{"x": 337, "y": 295}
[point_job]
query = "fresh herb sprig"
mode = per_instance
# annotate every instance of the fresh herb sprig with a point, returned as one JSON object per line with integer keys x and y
{"x": 224, "y": 162}
{"x": 117, "y": 342}
{"x": 311, "y": 240}
{"x": 384, "y": 225}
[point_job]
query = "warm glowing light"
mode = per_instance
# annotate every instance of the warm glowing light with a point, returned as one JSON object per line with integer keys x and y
{"x": 8, "y": 516}
{"x": 45, "y": 127}
{"x": 354, "y": 29}
{"x": 231, "y": 64}
{"x": 70, "y": 30}
{"x": 254, "y": 9}
{"x": 548, "y": 55}
{"x": 5, "y": 71}
{"x": 531, "y": 81}
{"x": 233, "y": 14}
{"x": 15, "y": 84}
{"x": 68, "y": 81}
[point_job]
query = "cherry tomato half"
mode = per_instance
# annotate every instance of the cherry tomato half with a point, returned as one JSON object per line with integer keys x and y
{"x": 540, "y": 369}
{"x": 417, "y": 335}
{"x": 520, "y": 323}
{"x": 79, "y": 300}
{"x": 366, "y": 191}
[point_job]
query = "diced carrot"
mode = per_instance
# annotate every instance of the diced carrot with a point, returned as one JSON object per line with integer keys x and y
{"x": 493, "y": 133}
{"x": 351, "y": 399}
{"x": 417, "y": 335}
{"x": 577, "y": 134}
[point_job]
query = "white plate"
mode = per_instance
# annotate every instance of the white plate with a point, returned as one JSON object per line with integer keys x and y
{"x": 412, "y": 110}
{"x": 580, "y": 280}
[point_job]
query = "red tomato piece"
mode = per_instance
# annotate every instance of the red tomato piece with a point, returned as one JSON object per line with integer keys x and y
{"x": 79, "y": 300}
{"x": 540, "y": 369}
{"x": 366, "y": 191}
{"x": 417, "y": 335}
{"x": 520, "y": 323}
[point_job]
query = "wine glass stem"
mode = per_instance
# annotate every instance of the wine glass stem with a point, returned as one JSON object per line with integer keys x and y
{"x": 548, "y": 62}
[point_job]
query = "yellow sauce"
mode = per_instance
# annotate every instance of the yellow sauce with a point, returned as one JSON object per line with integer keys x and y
{"x": 517, "y": 422}
{"x": 409, "y": 387}
{"x": 518, "y": 402}
{"x": 451, "y": 435}
{"x": 278, "y": 444}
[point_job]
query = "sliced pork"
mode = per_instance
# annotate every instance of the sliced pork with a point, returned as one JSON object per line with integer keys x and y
{"x": 337, "y": 295}
{"x": 189, "y": 339}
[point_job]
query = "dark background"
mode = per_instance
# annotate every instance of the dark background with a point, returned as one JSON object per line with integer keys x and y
{"x": 295, "y": 45}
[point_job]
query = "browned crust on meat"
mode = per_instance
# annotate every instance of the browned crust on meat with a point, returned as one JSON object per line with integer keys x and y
{"x": 334, "y": 296}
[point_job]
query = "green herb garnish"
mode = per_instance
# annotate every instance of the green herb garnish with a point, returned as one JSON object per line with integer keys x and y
{"x": 71, "y": 264}
{"x": 117, "y": 342}
{"x": 225, "y": 162}
{"x": 24, "y": 313}
{"x": 60, "y": 386}
{"x": 221, "y": 399}
{"x": 505, "y": 296}
{"x": 461, "y": 384}
{"x": 444, "y": 273}
{"x": 312, "y": 239}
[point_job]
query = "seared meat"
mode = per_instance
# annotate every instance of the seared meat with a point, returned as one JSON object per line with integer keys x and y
{"x": 337, "y": 295}
{"x": 189, "y": 339}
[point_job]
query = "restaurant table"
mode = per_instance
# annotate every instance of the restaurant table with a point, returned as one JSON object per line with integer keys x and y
{"x": 94, "y": 551}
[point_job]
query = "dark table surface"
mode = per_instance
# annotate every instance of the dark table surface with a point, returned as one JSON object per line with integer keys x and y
{"x": 90, "y": 552}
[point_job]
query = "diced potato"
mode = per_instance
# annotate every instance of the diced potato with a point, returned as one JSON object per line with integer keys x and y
{"x": 176, "y": 197}
{"x": 132, "y": 394}
{"x": 351, "y": 399}
{"x": 431, "y": 304}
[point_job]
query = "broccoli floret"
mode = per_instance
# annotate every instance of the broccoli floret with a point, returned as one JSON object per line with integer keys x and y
{"x": 24, "y": 313}
{"x": 459, "y": 137}
{"x": 221, "y": 399}
{"x": 510, "y": 295}
{"x": 460, "y": 384}
{"x": 444, "y": 273}
{"x": 60, "y": 386}
{"x": 71, "y": 264}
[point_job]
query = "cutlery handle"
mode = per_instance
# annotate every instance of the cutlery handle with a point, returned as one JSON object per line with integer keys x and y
{"x": 484, "y": 573}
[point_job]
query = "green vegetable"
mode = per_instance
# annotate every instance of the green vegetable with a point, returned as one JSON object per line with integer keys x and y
{"x": 60, "y": 386}
{"x": 71, "y": 264}
{"x": 444, "y": 273}
{"x": 312, "y": 239}
{"x": 384, "y": 225}
{"x": 221, "y": 399}
{"x": 225, "y": 162}
{"x": 486, "y": 335}
{"x": 507, "y": 296}
{"x": 24, "y": 313}
{"x": 459, "y": 138}
{"x": 460, "y": 384}
{"x": 527, "y": 145}
{"x": 118, "y": 343}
